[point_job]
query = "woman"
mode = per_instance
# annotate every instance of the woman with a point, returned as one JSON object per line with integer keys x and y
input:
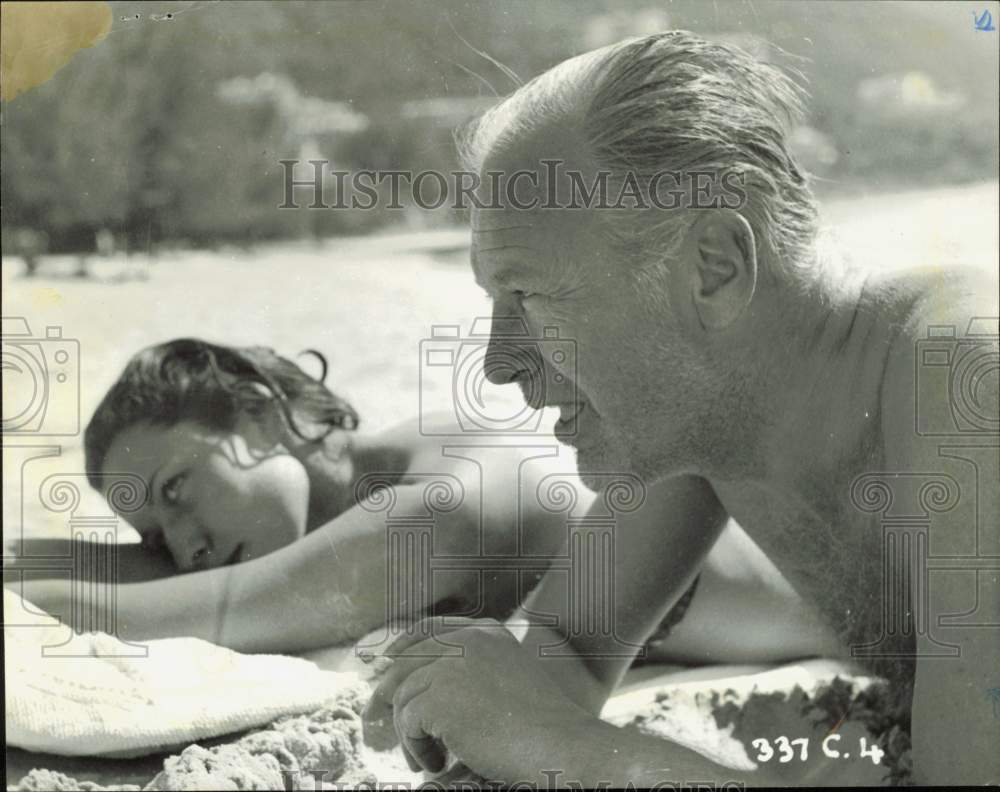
{"x": 269, "y": 523}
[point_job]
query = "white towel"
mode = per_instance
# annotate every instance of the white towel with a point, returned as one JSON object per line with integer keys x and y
{"x": 82, "y": 699}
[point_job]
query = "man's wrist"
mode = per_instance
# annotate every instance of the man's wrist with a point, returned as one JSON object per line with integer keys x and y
{"x": 569, "y": 671}
{"x": 587, "y": 756}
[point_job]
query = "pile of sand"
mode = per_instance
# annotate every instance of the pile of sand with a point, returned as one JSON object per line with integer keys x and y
{"x": 722, "y": 725}
{"x": 290, "y": 753}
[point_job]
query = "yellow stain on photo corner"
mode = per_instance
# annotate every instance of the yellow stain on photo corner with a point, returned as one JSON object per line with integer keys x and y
{"x": 45, "y": 296}
{"x": 38, "y": 39}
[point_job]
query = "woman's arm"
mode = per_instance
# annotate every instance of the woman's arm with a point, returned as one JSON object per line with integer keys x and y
{"x": 43, "y": 558}
{"x": 658, "y": 549}
{"x": 328, "y": 587}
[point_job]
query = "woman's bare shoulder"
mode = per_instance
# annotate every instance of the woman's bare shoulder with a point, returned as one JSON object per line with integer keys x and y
{"x": 497, "y": 471}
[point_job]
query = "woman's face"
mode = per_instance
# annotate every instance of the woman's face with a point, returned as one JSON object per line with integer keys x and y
{"x": 215, "y": 498}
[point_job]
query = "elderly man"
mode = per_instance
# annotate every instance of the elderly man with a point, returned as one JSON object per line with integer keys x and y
{"x": 741, "y": 374}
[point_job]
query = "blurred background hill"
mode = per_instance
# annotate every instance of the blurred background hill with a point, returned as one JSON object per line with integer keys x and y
{"x": 170, "y": 130}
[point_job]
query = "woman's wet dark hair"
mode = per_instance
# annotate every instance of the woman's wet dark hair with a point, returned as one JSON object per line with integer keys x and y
{"x": 190, "y": 379}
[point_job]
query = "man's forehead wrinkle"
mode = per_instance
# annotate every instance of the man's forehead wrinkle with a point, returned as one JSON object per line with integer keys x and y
{"x": 500, "y": 248}
{"x": 499, "y": 229}
{"x": 502, "y": 219}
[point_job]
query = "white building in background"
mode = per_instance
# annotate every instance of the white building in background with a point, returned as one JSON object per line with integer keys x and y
{"x": 305, "y": 116}
{"x": 906, "y": 94}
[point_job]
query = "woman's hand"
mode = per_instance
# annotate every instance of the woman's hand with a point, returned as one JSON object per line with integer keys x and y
{"x": 471, "y": 690}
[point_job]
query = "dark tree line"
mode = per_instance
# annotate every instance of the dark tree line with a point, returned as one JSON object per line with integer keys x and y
{"x": 133, "y": 136}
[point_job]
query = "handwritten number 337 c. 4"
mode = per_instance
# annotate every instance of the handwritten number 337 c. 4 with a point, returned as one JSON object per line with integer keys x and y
{"x": 785, "y": 751}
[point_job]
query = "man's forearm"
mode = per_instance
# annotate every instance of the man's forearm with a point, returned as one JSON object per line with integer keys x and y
{"x": 567, "y": 668}
{"x": 595, "y": 754}
{"x": 658, "y": 551}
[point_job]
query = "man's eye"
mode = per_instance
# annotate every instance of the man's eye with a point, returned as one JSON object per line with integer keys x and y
{"x": 171, "y": 489}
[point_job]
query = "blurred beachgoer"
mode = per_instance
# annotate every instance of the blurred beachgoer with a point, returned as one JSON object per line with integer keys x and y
{"x": 29, "y": 244}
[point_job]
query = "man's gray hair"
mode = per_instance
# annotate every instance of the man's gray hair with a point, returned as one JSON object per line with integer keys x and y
{"x": 673, "y": 102}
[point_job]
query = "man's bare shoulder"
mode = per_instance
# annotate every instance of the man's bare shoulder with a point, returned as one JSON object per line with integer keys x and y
{"x": 941, "y": 389}
{"x": 943, "y": 295}
{"x": 941, "y": 402}
{"x": 941, "y": 376}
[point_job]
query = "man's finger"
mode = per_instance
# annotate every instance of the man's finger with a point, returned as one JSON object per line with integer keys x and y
{"x": 411, "y": 705}
{"x": 413, "y": 764}
{"x": 410, "y": 652}
{"x": 428, "y": 752}
{"x": 427, "y": 630}
{"x": 377, "y": 717}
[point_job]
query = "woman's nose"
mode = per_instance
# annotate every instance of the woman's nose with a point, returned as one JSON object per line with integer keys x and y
{"x": 188, "y": 543}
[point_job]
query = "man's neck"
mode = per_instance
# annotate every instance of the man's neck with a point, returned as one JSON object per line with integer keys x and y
{"x": 821, "y": 398}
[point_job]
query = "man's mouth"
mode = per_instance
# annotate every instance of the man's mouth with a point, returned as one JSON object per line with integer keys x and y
{"x": 569, "y": 419}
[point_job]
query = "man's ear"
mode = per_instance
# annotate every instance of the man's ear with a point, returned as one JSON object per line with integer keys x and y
{"x": 724, "y": 276}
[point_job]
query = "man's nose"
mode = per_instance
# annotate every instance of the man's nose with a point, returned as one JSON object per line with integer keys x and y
{"x": 189, "y": 544}
{"x": 507, "y": 356}
{"x": 508, "y": 361}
